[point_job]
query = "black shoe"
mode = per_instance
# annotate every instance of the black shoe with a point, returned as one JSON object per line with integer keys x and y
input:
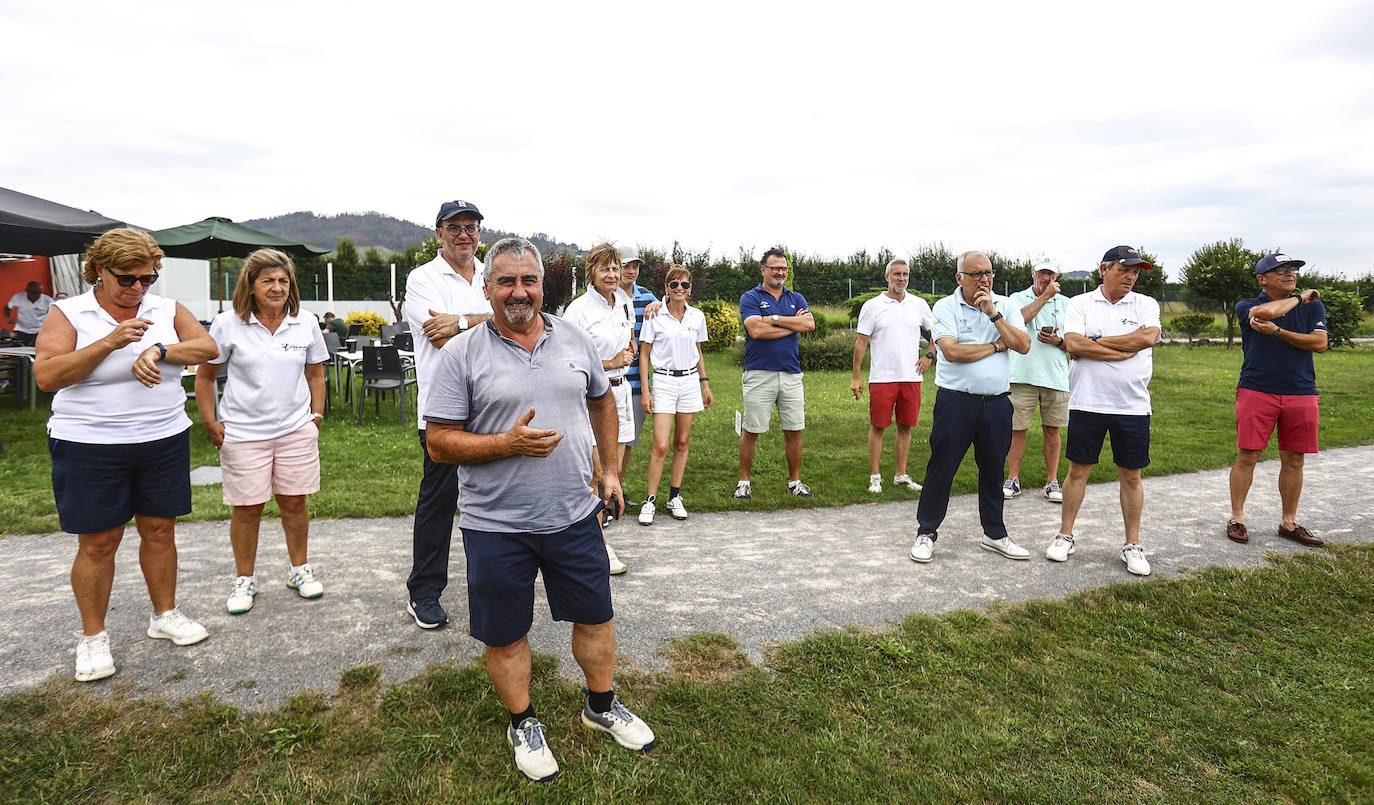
{"x": 427, "y": 613}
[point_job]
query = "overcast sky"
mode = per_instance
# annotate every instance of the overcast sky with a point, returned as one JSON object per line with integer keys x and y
{"x": 1028, "y": 128}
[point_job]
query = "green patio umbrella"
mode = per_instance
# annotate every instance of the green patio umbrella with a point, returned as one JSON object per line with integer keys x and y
{"x": 220, "y": 237}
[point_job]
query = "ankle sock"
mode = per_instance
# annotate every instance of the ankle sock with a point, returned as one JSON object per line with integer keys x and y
{"x": 517, "y": 718}
{"x": 600, "y": 702}
{"x": 674, "y": 492}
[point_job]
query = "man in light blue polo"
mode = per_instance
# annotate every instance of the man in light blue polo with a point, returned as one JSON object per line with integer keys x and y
{"x": 973, "y": 330}
{"x": 772, "y": 316}
{"x": 1040, "y": 377}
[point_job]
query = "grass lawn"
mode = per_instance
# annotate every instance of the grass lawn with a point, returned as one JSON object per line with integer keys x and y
{"x": 1229, "y": 686}
{"x": 374, "y": 470}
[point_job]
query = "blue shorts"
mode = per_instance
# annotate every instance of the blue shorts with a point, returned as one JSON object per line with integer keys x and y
{"x": 1130, "y": 438}
{"x": 501, "y": 571}
{"x": 101, "y": 486}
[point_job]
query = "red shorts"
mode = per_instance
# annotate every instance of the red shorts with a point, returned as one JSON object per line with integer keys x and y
{"x": 884, "y": 397}
{"x": 1258, "y": 413}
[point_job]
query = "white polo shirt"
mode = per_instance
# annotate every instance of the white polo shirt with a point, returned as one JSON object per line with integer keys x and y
{"x": 266, "y": 394}
{"x": 610, "y": 324}
{"x": 28, "y": 316}
{"x": 436, "y": 286}
{"x": 1111, "y": 387}
{"x": 674, "y": 343}
{"x": 109, "y": 405}
{"x": 893, "y": 327}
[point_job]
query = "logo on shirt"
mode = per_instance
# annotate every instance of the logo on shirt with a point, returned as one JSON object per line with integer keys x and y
{"x": 763, "y": 305}
{"x": 294, "y": 347}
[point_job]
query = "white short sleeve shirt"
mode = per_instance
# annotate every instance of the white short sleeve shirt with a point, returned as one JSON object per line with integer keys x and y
{"x": 610, "y": 324}
{"x": 436, "y": 286}
{"x": 674, "y": 343}
{"x": 266, "y": 394}
{"x": 954, "y": 318}
{"x": 29, "y": 316}
{"x": 893, "y": 328}
{"x": 1111, "y": 387}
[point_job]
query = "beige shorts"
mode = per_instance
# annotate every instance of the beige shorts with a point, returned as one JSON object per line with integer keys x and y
{"x": 1054, "y": 406}
{"x": 288, "y": 464}
{"x": 763, "y": 390}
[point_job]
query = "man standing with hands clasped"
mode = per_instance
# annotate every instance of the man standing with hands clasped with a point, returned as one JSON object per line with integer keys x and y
{"x": 1279, "y": 331}
{"x": 1040, "y": 377}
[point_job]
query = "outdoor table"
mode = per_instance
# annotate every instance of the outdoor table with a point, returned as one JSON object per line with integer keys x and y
{"x": 26, "y": 379}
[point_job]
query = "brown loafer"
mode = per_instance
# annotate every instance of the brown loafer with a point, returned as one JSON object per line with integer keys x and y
{"x": 1236, "y": 532}
{"x": 1301, "y": 535}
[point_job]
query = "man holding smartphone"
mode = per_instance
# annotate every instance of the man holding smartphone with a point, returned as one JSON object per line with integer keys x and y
{"x": 1040, "y": 377}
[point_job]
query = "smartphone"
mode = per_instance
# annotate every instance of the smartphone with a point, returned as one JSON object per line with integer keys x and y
{"x": 1047, "y": 330}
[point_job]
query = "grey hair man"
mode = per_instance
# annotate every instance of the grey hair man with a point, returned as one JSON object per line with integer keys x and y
{"x": 1040, "y": 378}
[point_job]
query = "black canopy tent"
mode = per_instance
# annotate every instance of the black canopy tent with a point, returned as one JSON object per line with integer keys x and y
{"x": 31, "y": 225}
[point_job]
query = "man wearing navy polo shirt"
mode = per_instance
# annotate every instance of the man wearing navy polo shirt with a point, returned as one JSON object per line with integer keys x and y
{"x": 1279, "y": 331}
{"x": 772, "y": 316}
{"x": 973, "y": 329}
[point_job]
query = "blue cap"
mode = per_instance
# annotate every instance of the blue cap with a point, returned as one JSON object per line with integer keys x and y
{"x": 452, "y": 208}
{"x": 1126, "y": 256}
{"x": 1273, "y": 262}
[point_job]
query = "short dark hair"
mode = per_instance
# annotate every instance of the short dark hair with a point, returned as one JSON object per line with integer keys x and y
{"x": 773, "y": 252}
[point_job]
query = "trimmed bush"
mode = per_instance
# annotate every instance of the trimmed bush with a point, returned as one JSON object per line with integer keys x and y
{"x": 856, "y": 303}
{"x": 834, "y": 352}
{"x": 722, "y": 324}
{"x": 1191, "y": 324}
{"x": 1344, "y": 314}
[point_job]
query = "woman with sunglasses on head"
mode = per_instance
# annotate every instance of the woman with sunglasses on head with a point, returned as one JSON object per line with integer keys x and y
{"x": 118, "y": 434}
{"x": 671, "y": 342}
{"x": 268, "y": 425}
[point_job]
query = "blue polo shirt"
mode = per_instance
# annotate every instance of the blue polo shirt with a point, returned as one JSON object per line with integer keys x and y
{"x": 957, "y": 319}
{"x": 642, "y": 298}
{"x": 1274, "y": 366}
{"x": 774, "y": 354}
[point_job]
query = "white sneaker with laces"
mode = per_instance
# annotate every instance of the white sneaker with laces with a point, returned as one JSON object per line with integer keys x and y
{"x": 93, "y": 659}
{"x": 532, "y": 755}
{"x": 1005, "y": 547}
{"x": 176, "y": 627}
{"x": 906, "y": 482}
{"x": 677, "y": 508}
{"x": 799, "y": 489}
{"x": 875, "y": 484}
{"x": 743, "y": 490}
{"x": 924, "y": 547}
{"x": 617, "y": 566}
{"x": 1134, "y": 557}
{"x": 646, "y": 512}
{"x": 1011, "y": 488}
{"x": 303, "y": 581}
{"x": 1053, "y": 492}
{"x": 625, "y": 727}
{"x": 1061, "y": 548}
{"x": 241, "y": 597}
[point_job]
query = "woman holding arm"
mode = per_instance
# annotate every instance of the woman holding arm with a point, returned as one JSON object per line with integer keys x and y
{"x": 118, "y": 434}
{"x": 671, "y": 342}
{"x": 269, "y": 417}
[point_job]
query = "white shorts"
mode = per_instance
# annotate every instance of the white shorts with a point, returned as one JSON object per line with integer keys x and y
{"x": 623, "y": 413}
{"x": 677, "y": 395}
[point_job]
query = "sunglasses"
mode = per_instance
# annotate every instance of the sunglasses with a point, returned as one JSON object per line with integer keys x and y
{"x": 128, "y": 280}
{"x": 683, "y": 284}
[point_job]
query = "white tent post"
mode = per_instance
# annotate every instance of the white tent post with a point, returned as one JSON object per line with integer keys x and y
{"x": 393, "y": 281}
{"x": 329, "y": 280}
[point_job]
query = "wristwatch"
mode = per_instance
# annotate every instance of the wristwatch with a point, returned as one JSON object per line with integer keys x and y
{"x": 775, "y": 318}
{"x": 318, "y": 417}
{"x": 462, "y": 323}
{"x": 930, "y": 356}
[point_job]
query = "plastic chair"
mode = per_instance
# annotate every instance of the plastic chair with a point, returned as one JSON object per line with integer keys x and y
{"x": 382, "y": 371}
{"x": 404, "y": 341}
{"x": 389, "y": 332}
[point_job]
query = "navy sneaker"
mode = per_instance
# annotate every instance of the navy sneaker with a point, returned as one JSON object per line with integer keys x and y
{"x": 427, "y": 613}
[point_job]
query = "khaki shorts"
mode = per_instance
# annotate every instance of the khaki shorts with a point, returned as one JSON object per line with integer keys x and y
{"x": 763, "y": 390}
{"x": 1054, "y": 406}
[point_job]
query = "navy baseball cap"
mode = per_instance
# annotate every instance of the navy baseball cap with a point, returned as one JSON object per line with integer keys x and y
{"x": 452, "y": 208}
{"x": 1126, "y": 256}
{"x": 1273, "y": 262}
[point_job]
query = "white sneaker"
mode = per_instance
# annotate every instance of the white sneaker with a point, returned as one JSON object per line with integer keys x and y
{"x": 646, "y": 512}
{"x": 305, "y": 583}
{"x": 532, "y": 755}
{"x": 875, "y": 484}
{"x": 1061, "y": 548}
{"x": 743, "y": 490}
{"x": 241, "y": 597}
{"x": 1011, "y": 488}
{"x": 1134, "y": 557}
{"x": 93, "y": 659}
{"x": 1053, "y": 492}
{"x": 1005, "y": 547}
{"x": 905, "y": 481}
{"x": 176, "y": 627}
{"x": 924, "y": 547}
{"x": 799, "y": 489}
{"x": 617, "y": 566}
{"x": 625, "y": 727}
{"x": 677, "y": 508}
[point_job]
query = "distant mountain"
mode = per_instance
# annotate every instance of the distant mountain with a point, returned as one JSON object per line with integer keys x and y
{"x": 375, "y": 229}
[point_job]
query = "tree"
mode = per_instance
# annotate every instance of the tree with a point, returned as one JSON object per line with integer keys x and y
{"x": 1343, "y": 315}
{"x": 1222, "y": 274}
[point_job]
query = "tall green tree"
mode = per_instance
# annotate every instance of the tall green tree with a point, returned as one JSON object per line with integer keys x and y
{"x": 1221, "y": 274}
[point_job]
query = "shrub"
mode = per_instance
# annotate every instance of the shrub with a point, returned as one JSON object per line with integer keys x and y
{"x": 856, "y": 303}
{"x": 722, "y": 324}
{"x": 835, "y": 352}
{"x": 1191, "y": 324}
{"x": 371, "y": 322}
{"x": 822, "y": 327}
{"x": 1344, "y": 313}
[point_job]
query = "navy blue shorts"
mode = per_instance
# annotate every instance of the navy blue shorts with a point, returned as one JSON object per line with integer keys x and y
{"x": 501, "y": 571}
{"x": 101, "y": 486}
{"x": 1130, "y": 438}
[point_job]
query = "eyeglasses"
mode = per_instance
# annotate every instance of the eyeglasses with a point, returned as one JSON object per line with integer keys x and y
{"x": 128, "y": 280}
{"x": 977, "y": 275}
{"x": 1282, "y": 271}
{"x": 454, "y": 229}
{"x": 683, "y": 284}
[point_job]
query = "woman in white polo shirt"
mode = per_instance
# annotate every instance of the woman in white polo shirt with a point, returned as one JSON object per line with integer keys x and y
{"x": 269, "y": 416}
{"x": 671, "y": 342}
{"x": 119, "y": 432}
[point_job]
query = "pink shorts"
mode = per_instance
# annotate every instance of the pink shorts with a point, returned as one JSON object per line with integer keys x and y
{"x": 1295, "y": 415}
{"x": 290, "y": 464}
{"x": 884, "y": 397}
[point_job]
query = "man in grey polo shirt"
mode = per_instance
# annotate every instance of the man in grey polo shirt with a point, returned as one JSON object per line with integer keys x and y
{"x": 973, "y": 330}
{"x": 506, "y": 395}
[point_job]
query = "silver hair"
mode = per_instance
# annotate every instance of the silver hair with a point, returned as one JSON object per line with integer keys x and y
{"x": 894, "y": 261}
{"x": 515, "y": 248}
{"x": 959, "y": 263}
